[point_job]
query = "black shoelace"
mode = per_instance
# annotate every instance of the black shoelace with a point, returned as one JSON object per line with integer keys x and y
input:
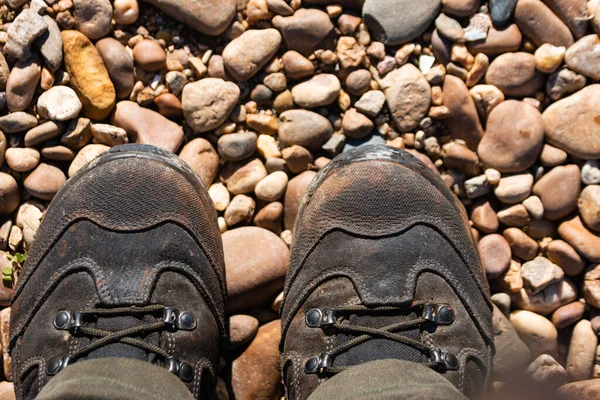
{"x": 333, "y": 319}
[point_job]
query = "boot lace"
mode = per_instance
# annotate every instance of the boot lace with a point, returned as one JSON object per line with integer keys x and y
{"x": 334, "y": 320}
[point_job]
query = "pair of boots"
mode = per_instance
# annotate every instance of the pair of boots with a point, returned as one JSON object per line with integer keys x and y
{"x": 125, "y": 285}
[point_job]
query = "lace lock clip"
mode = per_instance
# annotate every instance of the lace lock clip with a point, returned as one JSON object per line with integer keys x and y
{"x": 440, "y": 314}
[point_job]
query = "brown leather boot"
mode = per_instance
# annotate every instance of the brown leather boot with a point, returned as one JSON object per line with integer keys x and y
{"x": 127, "y": 263}
{"x": 383, "y": 266}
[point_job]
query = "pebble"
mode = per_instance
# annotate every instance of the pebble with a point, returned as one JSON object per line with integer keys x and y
{"x": 270, "y": 217}
{"x": 495, "y": 254}
{"x": 77, "y": 134}
{"x": 552, "y": 156}
{"x": 219, "y": 195}
{"x": 242, "y": 177}
{"x": 539, "y": 273}
{"x": 119, "y": 64}
{"x": 22, "y": 159}
{"x": 89, "y": 77}
{"x": 584, "y": 390}
{"x": 3, "y": 145}
{"x": 58, "y": 153}
{"x": 548, "y": 300}
{"x": 237, "y": 146}
{"x": 272, "y": 187}
{"x": 463, "y": 120}
{"x": 568, "y": 315}
{"x": 256, "y": 262}
{"x": 303, "y": 128}
{"x": 559, "y": 190}
{"x": 450, "y": 28}
{"x": 562, "y": 82}
{"x": 85, "y": 155}
{"x": 51, "y": 47}
{"x": 320, "y": 90}
{"x": 256, "y": 372}
{"x": 589, "y": 207}
{"x": 484, "y": 217}
{"x": 356, "y": 125}
{"x": 514, "y": 189}
{"x": 536, "y": 332}
{"x": 358, "y": 82}
{"x": 534, "y": 207}
{"x": 516, "y": 215}
{"x": 460, "y": 8}
{"x": 297, "y": 158}
{"x": 126, "y": 12}
{"x": 168, "y": 105}
{"x": 200, "y": 155}
{"x": 591, "y": 285}
{"x": 585, "y": 242}
{"x": 477, "y": 186}
{"x": 521, "y": 245}
{"x": 511, "y": 353}
{"x": 297, "y": 186}
{"x": 584, "y": 56}
{"x": 146, "y": 126}
{"x": 210, "y": 17}
{"x": 350, "y": 53}
{"x": 371, "y": 103}
{"x": 565, "y": 256}
{"x": 582, "y": 352}
{"x": 27, "y": 26}
{"x": 242, "y": 329}
{"x": 546, "y": 373}
{"x": 45, "y": 181}
{"x": 17, "y": 122}
{"x": 59, "y": 103}
{"x": 267, "y": 147}
{"x": 92, "y": 17}
{"x": 4, "y": 72}
{"x": 305, "y": 31}
{"x": 109, "y": 135}
{"x": 296, "y": 66}
{"x": 501, "y": 11}
{"x": 515, "y": 74}
{"x": 10, "y": 195}
{"x": 590, "y": 172}
{"x": 395, "y": 22}
{"x": 541, "y": 25}
{"x": 498, "y": 41}
{"x": 408, "y": 97}
{"x": 208, "y": 102}
{"x": 149, "y": 55}
{"x": 240, "y": 210}
{"x": 514, "y": 137}
{"x": 22, "y": 82}
{"x": 574, "y": 13}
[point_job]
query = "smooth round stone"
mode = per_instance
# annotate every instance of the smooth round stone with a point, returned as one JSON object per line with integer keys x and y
{"x": 395, "y": 22}
{"x": 545, "y": 372}
{"x": 41, "y": 133}
{"x": 536, "y": 332}
{"x": 463, "y": 120}
{"x": 119, "y": 64}
{"x": 585, "y": 242}
{"x": 590, "y": 172}
{"x": 358, "y": 82}
{"x": 462, "y": 159}
{"x": 202, "y": 157}
{"x": 296, "y": 66}
{"x": 149, "y": 55}
{"x": 85, "y": 155}
{"x": 3, "y": 145}
{"x": 168, "y": 105}
{"x": 559, "y": 190}
{"x": 208, "y": 102}
{"x": 534, "y": 207}
{"x": 356, "y": 125}
{"x": 293, "y": 197}
{"x": 563, "y": 82}
{"x": 45, "y": 181}
{"x": 574, "y": 13}
{"x": 541, "y": 25}
{"x": 521, "y": 245}
{"x": 568, "y": 314}
{"x": 584, "y": 390}
{"x": 408, "y": 96}
{"x": 582, "y": 352}
{"x": 22, "y": 82}
{"x": 565, "y": 256}
{"x": 516, "y": 215}
{"x": 305, "y": 31}
{"x": 540, "y": 229}
{"x": 58, "y": 153}
{"x": 591, "y": 285}
{"x": 498, "y": 41}
{"x": 460, "y": 8}
{"x": 272, "y": 187}
{"x": 109, "y": 135}
{"x": 249, "y": 53}
{"x": 237, "y": 146}
{"x": 495, "y": 255}
{"x": 539, "y": 273}
{"x": 450, "y": 28}
{"x": 126, "y": 12}
{"x": 304, "y": 128}
{"x": 296, "y": 158}
{"x": 256, "y": 262}
{"x": 240, "y": 210}
{"x": 589, "y": 207}
{"x": 549, "y": 57}
{"x": 514, "y": 189}
{"x": 512, "y": 354}
{"x": 92, "y": 17}
{"x": 219, "y": 195}
{"x": 22, "y": 159}
{"x": 270, "y": 217}
{"x": 571, "y": 123}
{"x": 17, "y": 122}
{"x": 242, "y": 177}
{"x": 10, "y": 195}
{"x": 59, "y": 103}
{"x": 242, "y": 329}
{"x": 583, "y": 56}
{"x": 501, "y": 11}
{"x": 320, "y": 90}
{"x": 515, "y": 74}
{"x": 552, "y": 156}
{"x": 484, "y": 217}
{"x": 256, "y": 372}
{"x": 514, "y": 137}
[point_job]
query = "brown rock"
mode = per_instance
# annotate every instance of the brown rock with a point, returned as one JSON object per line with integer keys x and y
{"x": 539, "y": 273}
{"x": 584, "y": 241}
{"x": 320, "y": 90}
{"x": 559, "y": 190}
{"x": 270, "y": 217}
{"x": 242, "y": 177}
{"x": 237, "y": 146}
{"x": 10, "y": 195}
{"x": 242, "y": 329}
{"x": 119, "y": 64}
{"x": 521, "y": 245}
{"x": 168, "y": 105}
{"x": 44, "y": 181}
{"x": 202, "y": 157}
{"x": 272, "y": 187}
{"x": 463, "y": 120}
{"x": 548, "y": 300}
{"x": 304, "y": 128}
{"x": 85, "y": 155}
{"x": 460, "y": 8}
{"x": 546, "y": 374}
{"x": 146, "y": 126}
{"x": 565, "y": 256}
{"x": 22, "y": 159}
{"x": 574, "y": 13}
{"x": 306, "y": 30}
{"x": 582, "y": 57}
{"x": 495, "y": 255}
{"x": 462, "y": 159}
{"x": 514, "y": 137}
{"x": 262, "y": 123}
{"x": 568, "y": 314}
{"x": 356, "y": 125}
{"x": 512, "y": 279}
{"x": 297, "y": 158}
{"x": 536, "y": 332}
{"x": 249, "y": 53}
{"x": 582, "y": 352}
{"x": 240, "y": 210}
{"x": 408, "y": 97}
{"x": 516, "y": 215}
{"x": 515, "y": 74}
{"x": 483, "y": 216}
{"x": 293, "y": 197}
{"x": 591, "y": 285}
{"x": 256, "y": 373}
{"x": 22, "y": 82}
{"x": 296, "y": 66}
{"x": 498, "y": 41}
{"x": 256, "y": 263}
{"x": 541, "y": 25}
{"x": 584, "y": 390}
{"x": 5, "y": 335}
{"x": 41, "y": 133}
{"x": 552, "y": 156}
{"x": 149, "y": 55}
{"x": 589, "y": 207}
{"x": 58, "y": 153}
{"x": 358, "y": 82}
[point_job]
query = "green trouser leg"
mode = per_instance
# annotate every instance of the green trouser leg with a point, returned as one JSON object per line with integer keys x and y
{"x": 122, "y": 378}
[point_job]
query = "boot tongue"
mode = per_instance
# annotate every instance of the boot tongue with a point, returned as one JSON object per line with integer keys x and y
{"x": 119, "y": 349}
{"x": 378, "y": 348}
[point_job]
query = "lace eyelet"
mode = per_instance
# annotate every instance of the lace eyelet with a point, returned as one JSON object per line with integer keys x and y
{"x": 320, "y": 317}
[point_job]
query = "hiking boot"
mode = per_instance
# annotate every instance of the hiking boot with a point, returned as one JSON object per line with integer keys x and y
{"x": 383, "y": 266}
{"x": 127, "y": 263}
